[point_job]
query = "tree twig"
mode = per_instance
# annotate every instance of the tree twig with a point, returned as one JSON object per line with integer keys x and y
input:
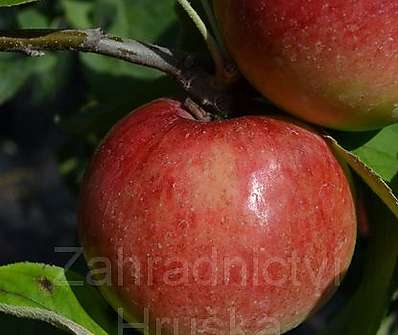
{"x": 185, "y": 68}
{"x": 209, "y": 39}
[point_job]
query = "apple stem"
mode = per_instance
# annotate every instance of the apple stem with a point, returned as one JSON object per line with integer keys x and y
{"x": 213, "y": 23}
{"x": 197, "y": 112}
{"x": 211, "y": 42}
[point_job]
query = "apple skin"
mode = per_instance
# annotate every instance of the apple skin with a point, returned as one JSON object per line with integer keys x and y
{"x": 182, "y": 200}
{"x": 333, "y": 63}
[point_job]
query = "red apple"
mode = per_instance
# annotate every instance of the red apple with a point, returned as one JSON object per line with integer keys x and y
{"x": 333, "y": 63}
{"x": 224, "y": 227}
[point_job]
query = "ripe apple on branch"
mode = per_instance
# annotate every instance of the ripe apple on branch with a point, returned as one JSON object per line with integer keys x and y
{"x": 166, "y": 187}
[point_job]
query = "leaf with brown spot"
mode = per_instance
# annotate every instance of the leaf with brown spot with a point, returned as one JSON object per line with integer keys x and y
{"x": 44, "y": 292}
{"x": 45, "y": 284}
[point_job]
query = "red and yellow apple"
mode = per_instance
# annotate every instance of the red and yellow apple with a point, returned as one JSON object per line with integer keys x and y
{"x": 333, "y": 63}
{"x": 238, "y": 226}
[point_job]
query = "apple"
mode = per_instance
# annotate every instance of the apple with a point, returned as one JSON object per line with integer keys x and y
{"x": 237, "y": 226}
{"x": 333, "y": 63}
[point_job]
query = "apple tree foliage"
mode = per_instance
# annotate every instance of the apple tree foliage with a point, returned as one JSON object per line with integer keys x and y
{"x": 110, "y": 89}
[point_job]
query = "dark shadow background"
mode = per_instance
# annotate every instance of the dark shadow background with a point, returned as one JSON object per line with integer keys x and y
{"x": 37, "y": 211}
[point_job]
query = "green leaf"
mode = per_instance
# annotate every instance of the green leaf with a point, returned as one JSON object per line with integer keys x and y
{"x": 381, "y": 152}
{"x": 9, "y": 3}
{"x": 50, "y": 294}
{"x": 366, "y": 309}
{"x": 377, "y": 149}
{"x": 369, "y": 176}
